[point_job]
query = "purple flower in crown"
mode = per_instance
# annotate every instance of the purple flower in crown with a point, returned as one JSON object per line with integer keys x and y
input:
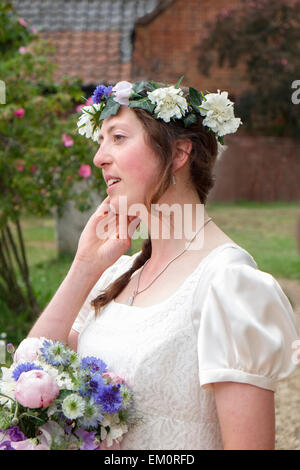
{"x": 101, "y": 91}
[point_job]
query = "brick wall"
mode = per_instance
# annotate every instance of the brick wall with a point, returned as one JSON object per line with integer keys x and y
{"x": 258, "y": 169}
{"x": 165, "y": 48}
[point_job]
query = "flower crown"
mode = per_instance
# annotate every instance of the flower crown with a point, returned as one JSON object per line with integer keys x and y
{"x": 162, "y": 102}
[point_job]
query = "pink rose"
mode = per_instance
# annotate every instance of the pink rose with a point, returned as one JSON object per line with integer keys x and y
{"x": 68, "y": 141}
{"x": 20, "y": 168}
{"x": 79, "y": 108}
{"x": 36, "y": 389}
{"x": 23, "y": 50}
{"x": 28, "y": 349}
{"x": 19, "y": 112}
{"x": 22, "y": 22}
{"x": 85, "y": 171}
{"x": 122, "y": 92}
{"x": 114, "y": 378}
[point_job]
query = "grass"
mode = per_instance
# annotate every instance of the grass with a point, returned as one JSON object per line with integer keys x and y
{"x": 266, "y": 230}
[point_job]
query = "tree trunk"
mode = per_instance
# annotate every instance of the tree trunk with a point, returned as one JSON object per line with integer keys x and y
{"x": 14, "y": 271}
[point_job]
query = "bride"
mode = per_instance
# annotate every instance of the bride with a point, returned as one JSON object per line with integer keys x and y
{"x": 196, "y": 329}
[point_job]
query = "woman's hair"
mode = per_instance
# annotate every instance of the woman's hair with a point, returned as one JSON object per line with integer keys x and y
{"x": 162, "y": 137}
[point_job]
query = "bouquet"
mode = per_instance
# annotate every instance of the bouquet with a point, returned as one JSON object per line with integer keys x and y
{"x": 52, "y": 399}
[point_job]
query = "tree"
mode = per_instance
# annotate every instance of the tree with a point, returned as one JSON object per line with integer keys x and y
{"x": 41, "y": 154}
{"x": 264, "y": 36}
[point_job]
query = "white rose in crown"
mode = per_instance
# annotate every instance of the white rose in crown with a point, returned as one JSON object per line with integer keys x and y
{"x": 122, "y": 91}
{"x": 169, "y": 102}
{"x": 219, "y": 113}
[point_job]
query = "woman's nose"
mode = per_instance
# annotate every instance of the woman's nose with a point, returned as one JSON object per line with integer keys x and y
{"x": 101, "y": 158}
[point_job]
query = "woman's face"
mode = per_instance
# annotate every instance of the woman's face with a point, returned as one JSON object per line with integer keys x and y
{"x": 124, "y": 154}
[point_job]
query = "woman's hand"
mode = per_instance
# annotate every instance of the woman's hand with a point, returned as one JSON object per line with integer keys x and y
{"x": 99, "y": 245}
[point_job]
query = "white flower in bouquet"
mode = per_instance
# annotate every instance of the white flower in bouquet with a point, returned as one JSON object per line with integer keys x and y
{"x": 116, "y": 429}
{"x": 73, "y": 406}
{"x": 7, "y": 387}
{"x": 219, "y": 113}
{"x": 169, "y": 102}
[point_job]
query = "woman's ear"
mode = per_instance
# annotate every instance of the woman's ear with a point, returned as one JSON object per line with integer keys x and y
{"x": 182, "y": 151}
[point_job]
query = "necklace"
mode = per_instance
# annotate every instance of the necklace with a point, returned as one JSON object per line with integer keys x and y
{"x": 130, "y": 299}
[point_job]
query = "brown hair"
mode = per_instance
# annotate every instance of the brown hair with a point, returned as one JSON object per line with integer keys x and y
{"x": 161, "y": 136}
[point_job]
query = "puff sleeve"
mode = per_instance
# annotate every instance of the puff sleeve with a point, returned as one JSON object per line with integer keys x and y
{"x": 106, "y": 278}
{"x": 246, "y": 329}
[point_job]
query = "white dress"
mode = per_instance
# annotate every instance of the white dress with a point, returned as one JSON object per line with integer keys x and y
{"x": 228, "y": 321}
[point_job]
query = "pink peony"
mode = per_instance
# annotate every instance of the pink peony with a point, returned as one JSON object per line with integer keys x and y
{"x": 19, "y": 112}
{"x": 36, "y": 389}
{"x": 68, "y": 141}
{"x": 28, "y": 349}
{"x": 85, "y": 171}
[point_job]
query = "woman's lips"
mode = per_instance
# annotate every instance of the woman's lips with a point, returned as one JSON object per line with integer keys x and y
{"x": 112, "y": 186}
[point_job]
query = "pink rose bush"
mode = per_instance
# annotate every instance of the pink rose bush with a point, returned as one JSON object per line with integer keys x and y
{"x": 67, "y": 140}
{"x": 19, "y": 113}
{"x": 53, "y": 399}
{"x": 85, "y": 171}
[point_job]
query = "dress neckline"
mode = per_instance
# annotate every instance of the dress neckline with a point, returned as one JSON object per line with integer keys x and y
{"x": 168, "y": 299}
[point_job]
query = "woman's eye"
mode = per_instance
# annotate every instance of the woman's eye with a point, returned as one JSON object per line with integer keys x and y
{"x": 118, "y": 137}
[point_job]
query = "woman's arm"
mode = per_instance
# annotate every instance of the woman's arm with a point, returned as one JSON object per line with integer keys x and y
{"x": 246, "y": 415}
{"x": 97, "y": 250}
{"x": 58, "y": 317}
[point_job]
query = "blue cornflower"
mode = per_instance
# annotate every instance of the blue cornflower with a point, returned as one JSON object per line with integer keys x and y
{"x": 25, "y": 367}
{"x": 55, "y": 353}
{"x": 110, "y": 398}
{"x": 99, "y": 92}
{"x": 93, "y": 364}
{"x": 95, "y": 385}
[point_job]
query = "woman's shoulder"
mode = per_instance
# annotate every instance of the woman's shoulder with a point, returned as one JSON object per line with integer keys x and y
{"x": 228, "y": 254}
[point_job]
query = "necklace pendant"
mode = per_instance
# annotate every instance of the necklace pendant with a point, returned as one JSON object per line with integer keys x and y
{"x": 129, "y": 301}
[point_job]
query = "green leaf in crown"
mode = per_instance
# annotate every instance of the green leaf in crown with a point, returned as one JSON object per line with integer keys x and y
{"x": 144, "y": 103}
{"x": 110, "y": 109}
